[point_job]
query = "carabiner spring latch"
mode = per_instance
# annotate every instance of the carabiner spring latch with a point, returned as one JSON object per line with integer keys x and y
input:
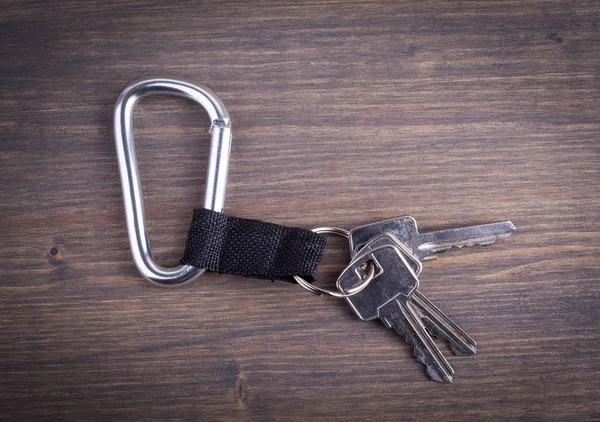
{"x": 216, "y": 179}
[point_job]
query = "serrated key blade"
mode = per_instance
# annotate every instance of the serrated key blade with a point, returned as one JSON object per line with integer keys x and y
{"x": 439, "y": 325}
{"x": 442, "y": 240}
{"x": 399, "y": 315}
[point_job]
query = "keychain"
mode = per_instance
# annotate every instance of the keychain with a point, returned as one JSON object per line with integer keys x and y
{"x": 380, "y": 282}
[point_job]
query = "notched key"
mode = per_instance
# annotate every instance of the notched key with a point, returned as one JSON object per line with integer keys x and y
{"x": 389, "y": 297}
{"x": 436, "y": 322}
{"x": 425, "y": 246}
{"x": 393, "y": 297}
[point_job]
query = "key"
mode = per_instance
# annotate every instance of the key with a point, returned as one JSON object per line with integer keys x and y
{"x": 389, "y": 297}
{"x": 425, "y": 246}
{"x": 436, "y": 322}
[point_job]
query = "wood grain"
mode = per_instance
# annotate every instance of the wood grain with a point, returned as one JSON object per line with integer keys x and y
{"x": 454, "y": 112}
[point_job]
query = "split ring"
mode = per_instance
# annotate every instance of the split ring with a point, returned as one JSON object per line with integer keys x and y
{"x": 320, "y": 291}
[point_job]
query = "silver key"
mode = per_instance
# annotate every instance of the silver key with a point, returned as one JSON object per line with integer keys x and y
{"x": 425, "y": 246}
{"x": 391, "y": 297}
{"x": 436, "y": 322}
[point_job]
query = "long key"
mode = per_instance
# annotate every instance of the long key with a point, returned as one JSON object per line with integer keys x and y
{"x": 426, "y": 245}
{"x": 436, "y": 322}
{"x": 388, "y": 297}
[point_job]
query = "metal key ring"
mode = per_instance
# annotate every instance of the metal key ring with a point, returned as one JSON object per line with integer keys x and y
{"x": 333, "y": 293}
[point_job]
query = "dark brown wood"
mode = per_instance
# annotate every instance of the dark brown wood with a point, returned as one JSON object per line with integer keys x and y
{"x": 454, "y": 112}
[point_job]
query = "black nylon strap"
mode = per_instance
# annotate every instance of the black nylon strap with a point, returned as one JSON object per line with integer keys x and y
{"x": 252, "y": 248}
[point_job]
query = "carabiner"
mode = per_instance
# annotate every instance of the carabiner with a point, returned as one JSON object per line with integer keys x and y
{"x": 216, "y": 179}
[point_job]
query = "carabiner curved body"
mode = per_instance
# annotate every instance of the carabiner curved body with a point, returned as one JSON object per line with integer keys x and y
{"x": 216, "y": 179}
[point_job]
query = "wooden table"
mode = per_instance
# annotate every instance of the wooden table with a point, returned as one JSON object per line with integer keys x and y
{"x": 456, "y": 113}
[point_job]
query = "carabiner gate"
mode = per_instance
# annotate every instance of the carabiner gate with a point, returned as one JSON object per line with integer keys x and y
{"x": 216, "y": 179}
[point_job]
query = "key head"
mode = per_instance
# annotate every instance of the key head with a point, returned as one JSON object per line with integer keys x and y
{"x": 394, "y": 277}
{"x": 387, "y": 238}
{"x": 403, "y": 228}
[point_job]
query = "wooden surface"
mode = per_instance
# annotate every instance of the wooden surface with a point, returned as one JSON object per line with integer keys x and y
{"x": 456, "y": 113}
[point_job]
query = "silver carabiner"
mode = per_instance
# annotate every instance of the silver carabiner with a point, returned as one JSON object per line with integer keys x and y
{"x": 216, "y": 179}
